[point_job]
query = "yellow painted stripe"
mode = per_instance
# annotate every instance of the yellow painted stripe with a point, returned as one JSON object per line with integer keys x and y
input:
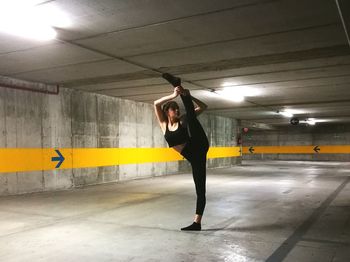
{"x": 33, "y": 159}
{"x": 321, "y": 149}
{"x": 334, "y": 149}
{"x": 217, "y": 152}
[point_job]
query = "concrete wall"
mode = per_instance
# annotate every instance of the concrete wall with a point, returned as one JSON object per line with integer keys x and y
{"x": 75, "y": 119}
{"x": 320, "y": 134}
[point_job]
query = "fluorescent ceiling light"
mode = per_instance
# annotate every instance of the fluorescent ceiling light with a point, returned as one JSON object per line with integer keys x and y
{"x": 286, "y": 113}
{"x": 241, "y": 89}
{"x": 295, "y": 111}
{"x": 53, "y": 16}
{"x": 311, "y": 121}
{"x": 226, "y": 84}
{"x": 237, "y": 93}
{"x": 290, "y": 112}
{"x": 323, "y": 120}
{"x": 237, "y": 98}
{"x": 23, "y": 18}
{"x": 231, "y": 95}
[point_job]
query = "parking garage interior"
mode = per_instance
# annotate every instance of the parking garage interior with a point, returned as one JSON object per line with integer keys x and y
{"x": 85, "y": 171}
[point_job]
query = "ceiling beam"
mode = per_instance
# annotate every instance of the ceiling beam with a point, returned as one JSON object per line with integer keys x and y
{"x": 284, "y": 104}
{"x": 325, "y": 52}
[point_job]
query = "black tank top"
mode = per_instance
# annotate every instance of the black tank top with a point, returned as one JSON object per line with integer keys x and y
{"x": 176, "y": 137}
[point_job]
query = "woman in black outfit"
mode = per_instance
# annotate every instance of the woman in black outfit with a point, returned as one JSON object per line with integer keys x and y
{"x": 186, "y": 135}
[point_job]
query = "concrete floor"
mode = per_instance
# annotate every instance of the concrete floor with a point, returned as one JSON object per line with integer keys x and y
{"x": 260, "y": 211}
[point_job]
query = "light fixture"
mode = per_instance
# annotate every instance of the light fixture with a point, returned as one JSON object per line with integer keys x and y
{"x": 285, "y": 113}
{"x": 230, "y": 94}
{"x": 311, "y": 121}
{"x": 31, "y": 19}
{"x": 240, "y": 89}
{"x": 236, "y": 93}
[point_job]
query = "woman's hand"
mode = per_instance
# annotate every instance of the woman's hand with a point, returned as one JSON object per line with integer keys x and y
{"x": 159, "y": 102}
{"x": 181, "y": 91}
{"x": 177, "y": 91}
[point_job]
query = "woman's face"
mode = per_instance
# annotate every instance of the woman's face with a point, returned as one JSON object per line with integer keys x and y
{"x": 173, "y": 112}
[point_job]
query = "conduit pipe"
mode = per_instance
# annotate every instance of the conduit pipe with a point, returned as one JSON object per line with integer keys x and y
{"x": 344, "y": 13}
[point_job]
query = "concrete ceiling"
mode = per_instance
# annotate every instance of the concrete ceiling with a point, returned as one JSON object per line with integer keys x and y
{"x": 295, "y": 53}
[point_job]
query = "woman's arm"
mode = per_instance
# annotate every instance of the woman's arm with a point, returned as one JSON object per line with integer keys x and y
{"x": 158, "y": 107}
{"x": 199, "y": 105}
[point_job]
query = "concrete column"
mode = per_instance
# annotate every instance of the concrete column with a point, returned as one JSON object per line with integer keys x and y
{"x": 108, "y": 134}
{"x": 84, "y": 132}
{"x": 57, "y": 133}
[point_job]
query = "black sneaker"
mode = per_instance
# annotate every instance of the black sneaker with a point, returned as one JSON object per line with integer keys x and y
{"x": 175, "y": 81}
{"x": 194, "y": 227}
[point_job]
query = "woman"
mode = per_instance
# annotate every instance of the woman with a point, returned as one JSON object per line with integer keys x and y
{"x": 186, "y": 135}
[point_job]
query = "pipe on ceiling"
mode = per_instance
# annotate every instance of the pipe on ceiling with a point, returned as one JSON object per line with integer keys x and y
{"x": 343, "y": 5}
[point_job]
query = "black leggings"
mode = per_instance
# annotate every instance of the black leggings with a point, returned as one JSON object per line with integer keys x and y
{"x": 195, "y": 151}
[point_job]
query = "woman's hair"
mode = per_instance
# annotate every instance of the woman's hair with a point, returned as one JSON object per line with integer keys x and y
{"x": 167, "y": 105}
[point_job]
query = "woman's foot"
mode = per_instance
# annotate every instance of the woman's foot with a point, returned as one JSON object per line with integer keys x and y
{"x": 173, "y": 80}
{"x": 194, "y": 227}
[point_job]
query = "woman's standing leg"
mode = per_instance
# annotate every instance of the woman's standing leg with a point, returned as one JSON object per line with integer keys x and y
{"x": 199, "y": 177}
{"x": 198, "y": 163}
{"x": 196, "y": 153}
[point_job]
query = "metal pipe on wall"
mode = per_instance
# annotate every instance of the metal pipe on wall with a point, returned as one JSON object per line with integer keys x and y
{"x": 7, "y": 82}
